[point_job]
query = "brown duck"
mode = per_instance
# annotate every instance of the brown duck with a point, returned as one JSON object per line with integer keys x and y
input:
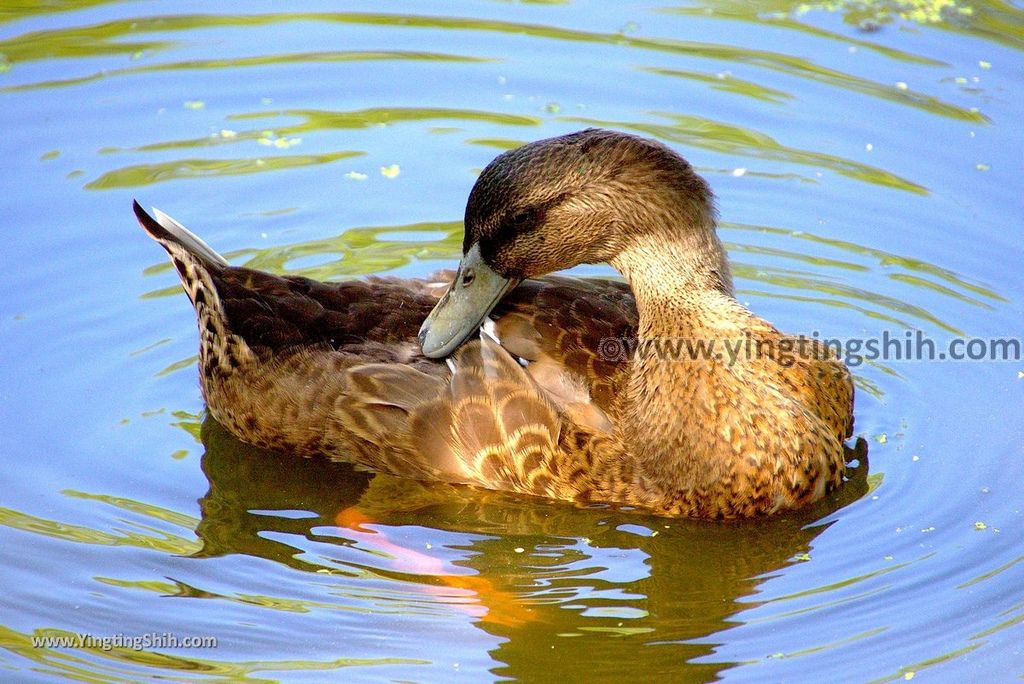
{"x": 585, "y": 390}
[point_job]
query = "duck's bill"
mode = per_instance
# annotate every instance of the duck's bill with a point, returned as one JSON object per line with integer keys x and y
{"x": 463, "y": 308}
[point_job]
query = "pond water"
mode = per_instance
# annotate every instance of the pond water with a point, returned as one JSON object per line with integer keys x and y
{"x": 867, "y": 159}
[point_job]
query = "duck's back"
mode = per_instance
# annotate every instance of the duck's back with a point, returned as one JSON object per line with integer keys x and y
{"x": 375, "y": 319}
{"x": 582, "y": 329}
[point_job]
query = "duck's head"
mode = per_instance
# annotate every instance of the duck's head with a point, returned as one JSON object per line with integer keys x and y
{"x": 581, "y": 198}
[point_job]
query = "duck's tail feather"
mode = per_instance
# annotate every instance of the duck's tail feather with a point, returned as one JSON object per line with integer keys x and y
{"x": 169, "y": 232}
{"x": 200, "y": 269}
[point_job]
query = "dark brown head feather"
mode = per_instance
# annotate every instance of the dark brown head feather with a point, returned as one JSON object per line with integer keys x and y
{"x": 580, "y": 198}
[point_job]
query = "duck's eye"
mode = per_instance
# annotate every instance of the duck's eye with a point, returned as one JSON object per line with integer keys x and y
{"x": 522, "y": 220}
{"x": 468, "y": 277}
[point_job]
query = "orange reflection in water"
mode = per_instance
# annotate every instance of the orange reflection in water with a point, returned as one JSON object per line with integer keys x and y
{"x": 493, "y": 606}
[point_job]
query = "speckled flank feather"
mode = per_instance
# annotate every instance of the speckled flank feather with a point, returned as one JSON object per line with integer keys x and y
{"x": 536, "y": 405}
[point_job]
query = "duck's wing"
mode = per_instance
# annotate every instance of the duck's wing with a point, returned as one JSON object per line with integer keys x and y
{"x": 491, "y": 423}
{"x": 576, "y": 334}
{"x": 488, "y": 424}
{"x": 545, "y": 375}
{"x": 310, "y": 368}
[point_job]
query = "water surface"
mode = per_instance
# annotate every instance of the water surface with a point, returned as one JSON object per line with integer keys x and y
{"x": 867, "y": 158}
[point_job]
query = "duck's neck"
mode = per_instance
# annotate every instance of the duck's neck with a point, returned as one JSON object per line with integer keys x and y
{"x": 683, "y": 291}
{"x": 671, "y": 276}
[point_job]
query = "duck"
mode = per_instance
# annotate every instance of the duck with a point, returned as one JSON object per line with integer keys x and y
{"x": 657, "y": 392}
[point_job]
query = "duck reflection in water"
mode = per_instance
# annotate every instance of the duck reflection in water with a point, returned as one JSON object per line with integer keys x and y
{"x": 526, "y": 570}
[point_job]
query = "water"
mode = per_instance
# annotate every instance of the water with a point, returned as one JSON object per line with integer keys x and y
{"x": 868, "y": 172}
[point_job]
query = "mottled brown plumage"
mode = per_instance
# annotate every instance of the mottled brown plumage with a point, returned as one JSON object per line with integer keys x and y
{"x": 545, "y": 403}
